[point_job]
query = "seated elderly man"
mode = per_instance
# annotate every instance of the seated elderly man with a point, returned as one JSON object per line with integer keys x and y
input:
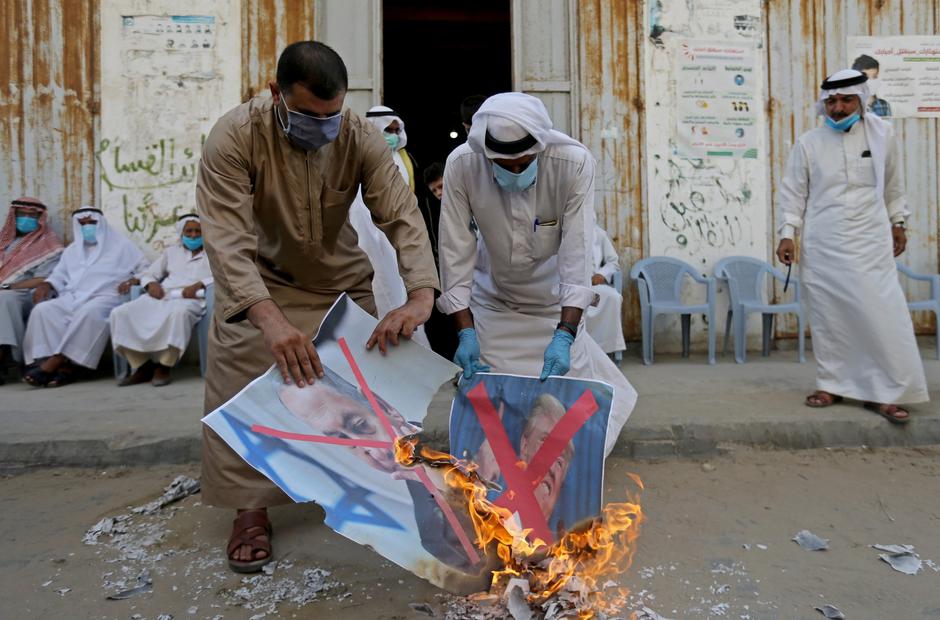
{"x": 29, "y": 250}
{"x": 72, "y": 328}
{"x": 603, "y": 320}
{"x": 153, "y": 330}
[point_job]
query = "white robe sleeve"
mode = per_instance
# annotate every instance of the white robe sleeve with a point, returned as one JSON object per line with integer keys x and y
{"x": 576, "y": 252}
{"x": 457, "y": 243}
{"x": 59, "y": 278}
{"x": 156, "y": 272}
{"x": 610, "y": 263}
{"x": 793, "y": 193}
{"x": 895, "y": 198}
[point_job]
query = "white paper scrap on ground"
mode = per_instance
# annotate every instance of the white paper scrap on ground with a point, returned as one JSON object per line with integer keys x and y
{"x": 332, "y": 443}
{"x": 830, "y": 611}
{"x": 810, "y": 541}
{"x": 901, "y": 558}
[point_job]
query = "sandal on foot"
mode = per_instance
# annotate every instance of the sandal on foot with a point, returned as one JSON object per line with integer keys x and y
{"x": 820, "y": 399}
{"x": 141, "y": 375}
{"x": 60, "y": 379}
{"x": 37, "y": 377}
{"x": 249, "y": 528}
{"x": 890, "y": 413}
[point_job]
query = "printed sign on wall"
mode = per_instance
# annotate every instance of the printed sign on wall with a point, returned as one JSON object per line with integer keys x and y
{"x": 903, "y": 74}
{"x": 717, "y": 99}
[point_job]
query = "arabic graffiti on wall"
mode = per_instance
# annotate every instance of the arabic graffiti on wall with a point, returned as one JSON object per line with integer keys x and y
{"x": 159, "y": 102}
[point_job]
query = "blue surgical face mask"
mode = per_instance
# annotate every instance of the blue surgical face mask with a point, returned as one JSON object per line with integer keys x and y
{"x": 845, "y": 124}
{"x": 90, "y": 233}
{"x": 393, "y": 140}
{"x": 26, "y": 224}
{"x": 309, "y": 132}
{"x": 512, "y": 182}
{"x": 192, "y": 243}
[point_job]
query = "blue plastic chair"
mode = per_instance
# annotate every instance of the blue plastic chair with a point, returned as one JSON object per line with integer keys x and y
{"x": 659, "y": 280}
{"x": 122, "y": 368}
{"x": 747, "y": 286}
{"x": 926, "y": 305}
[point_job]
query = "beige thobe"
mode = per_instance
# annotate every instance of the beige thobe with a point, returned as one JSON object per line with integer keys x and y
{"x": 275, "y": 225}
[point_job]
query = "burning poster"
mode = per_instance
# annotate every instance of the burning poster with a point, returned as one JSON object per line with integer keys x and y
{"x": 539, "y": 446}
{"x": 333, "y": 443}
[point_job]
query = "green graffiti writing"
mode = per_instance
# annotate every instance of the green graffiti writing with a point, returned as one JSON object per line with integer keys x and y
{"x": 145, "y": 220}
{"x": 163, "y": 164}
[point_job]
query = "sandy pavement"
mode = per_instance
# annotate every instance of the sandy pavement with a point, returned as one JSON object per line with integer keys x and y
{"x": 716, "y": 545}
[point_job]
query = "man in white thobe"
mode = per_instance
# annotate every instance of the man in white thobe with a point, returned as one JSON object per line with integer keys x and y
{"x": 844, "y": 189}
{"x": 153, "y": 330}
{"x": 388, "y": 288}
{"x": 72, "y": 329}
{"x": 530, "y": 190}
{"x": 603, "y": 319}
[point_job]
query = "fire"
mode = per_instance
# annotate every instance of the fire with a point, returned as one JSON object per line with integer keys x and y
{"x": 584, "y": 559}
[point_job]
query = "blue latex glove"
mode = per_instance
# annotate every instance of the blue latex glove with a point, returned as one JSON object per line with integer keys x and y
{"x": 557, "y": 355}
{"x": 468, "y": 353}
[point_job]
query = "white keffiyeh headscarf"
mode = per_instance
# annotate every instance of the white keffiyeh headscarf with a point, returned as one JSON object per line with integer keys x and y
{"x": 511, "y": 125}
{"x": 382, "y": 116}
{"x": 852, "y": 82}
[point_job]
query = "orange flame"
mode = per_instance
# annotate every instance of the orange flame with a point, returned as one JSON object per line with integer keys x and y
{"x": 593, "y": 552}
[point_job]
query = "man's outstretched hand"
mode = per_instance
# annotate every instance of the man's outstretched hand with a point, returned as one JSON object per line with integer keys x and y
{"x": 404, "y": 320}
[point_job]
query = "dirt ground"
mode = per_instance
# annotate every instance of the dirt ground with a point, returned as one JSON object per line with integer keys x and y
{"x": 717, "y": 544}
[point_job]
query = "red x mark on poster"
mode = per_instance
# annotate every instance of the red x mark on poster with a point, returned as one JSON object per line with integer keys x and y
{"x": 521, "y": 482}
{"x": 446, "y": 509}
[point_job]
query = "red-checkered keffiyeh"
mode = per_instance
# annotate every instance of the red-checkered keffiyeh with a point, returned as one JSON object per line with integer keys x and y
{"x": 35, "y": 247}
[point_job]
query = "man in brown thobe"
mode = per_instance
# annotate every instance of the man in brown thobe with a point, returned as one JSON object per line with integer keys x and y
{"x": 276, "y": 180}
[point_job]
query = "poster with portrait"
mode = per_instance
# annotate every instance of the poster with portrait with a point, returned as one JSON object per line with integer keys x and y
{"x": 903, "y": 74}
{"x": 332, "y": 443}
{"x": 717, "y": 99}
{"x": 539, "y": 444}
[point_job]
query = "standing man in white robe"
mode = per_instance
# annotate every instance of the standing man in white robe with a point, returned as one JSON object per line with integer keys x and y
{"x": 73, "y": 328}
{"x": 603, "y": 319}
{"x": 388, "y": 288}
{"x": 530, "y": 190}
{"x": 153, "y": 330}
{"x": 843, "y": 188}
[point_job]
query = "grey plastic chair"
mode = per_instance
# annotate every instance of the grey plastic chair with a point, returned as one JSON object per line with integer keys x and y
{"x": 747, "y": 286}
{"x": 659, "y": 280}
{"x": 926, "y": 305}
{"x": 122, "y": 368}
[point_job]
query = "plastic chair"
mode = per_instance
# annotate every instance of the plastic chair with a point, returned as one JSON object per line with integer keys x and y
{"x": 926, "y": 305}
{"x": 201, "y": 329}
{"x": 617, "y": 283}
{"x": 747, "y": 286}
{"x": 659, "y": 280}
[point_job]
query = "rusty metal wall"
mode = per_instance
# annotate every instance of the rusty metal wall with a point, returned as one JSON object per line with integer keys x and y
{"x": 806, "y": 42}
{"x": 612, "y": 110}
{"x": 268, "y": 26}
{"x": 48, "y": 102}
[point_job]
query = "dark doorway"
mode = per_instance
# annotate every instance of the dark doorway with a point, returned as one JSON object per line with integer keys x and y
{"x": 435, "y": 54}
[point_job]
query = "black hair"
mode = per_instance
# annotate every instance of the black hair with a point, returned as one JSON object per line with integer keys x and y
{"x": 469, "y": 107}
{"x": 433, "y": 172}
{"x": 865, "y": 62}
{"x": 314, "y": 65}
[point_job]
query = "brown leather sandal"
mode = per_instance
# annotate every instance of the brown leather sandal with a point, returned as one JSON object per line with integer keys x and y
{"x": 245, "y": 532}
{"x": 820, "y": 399}
{"x": 890, "y": 413}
